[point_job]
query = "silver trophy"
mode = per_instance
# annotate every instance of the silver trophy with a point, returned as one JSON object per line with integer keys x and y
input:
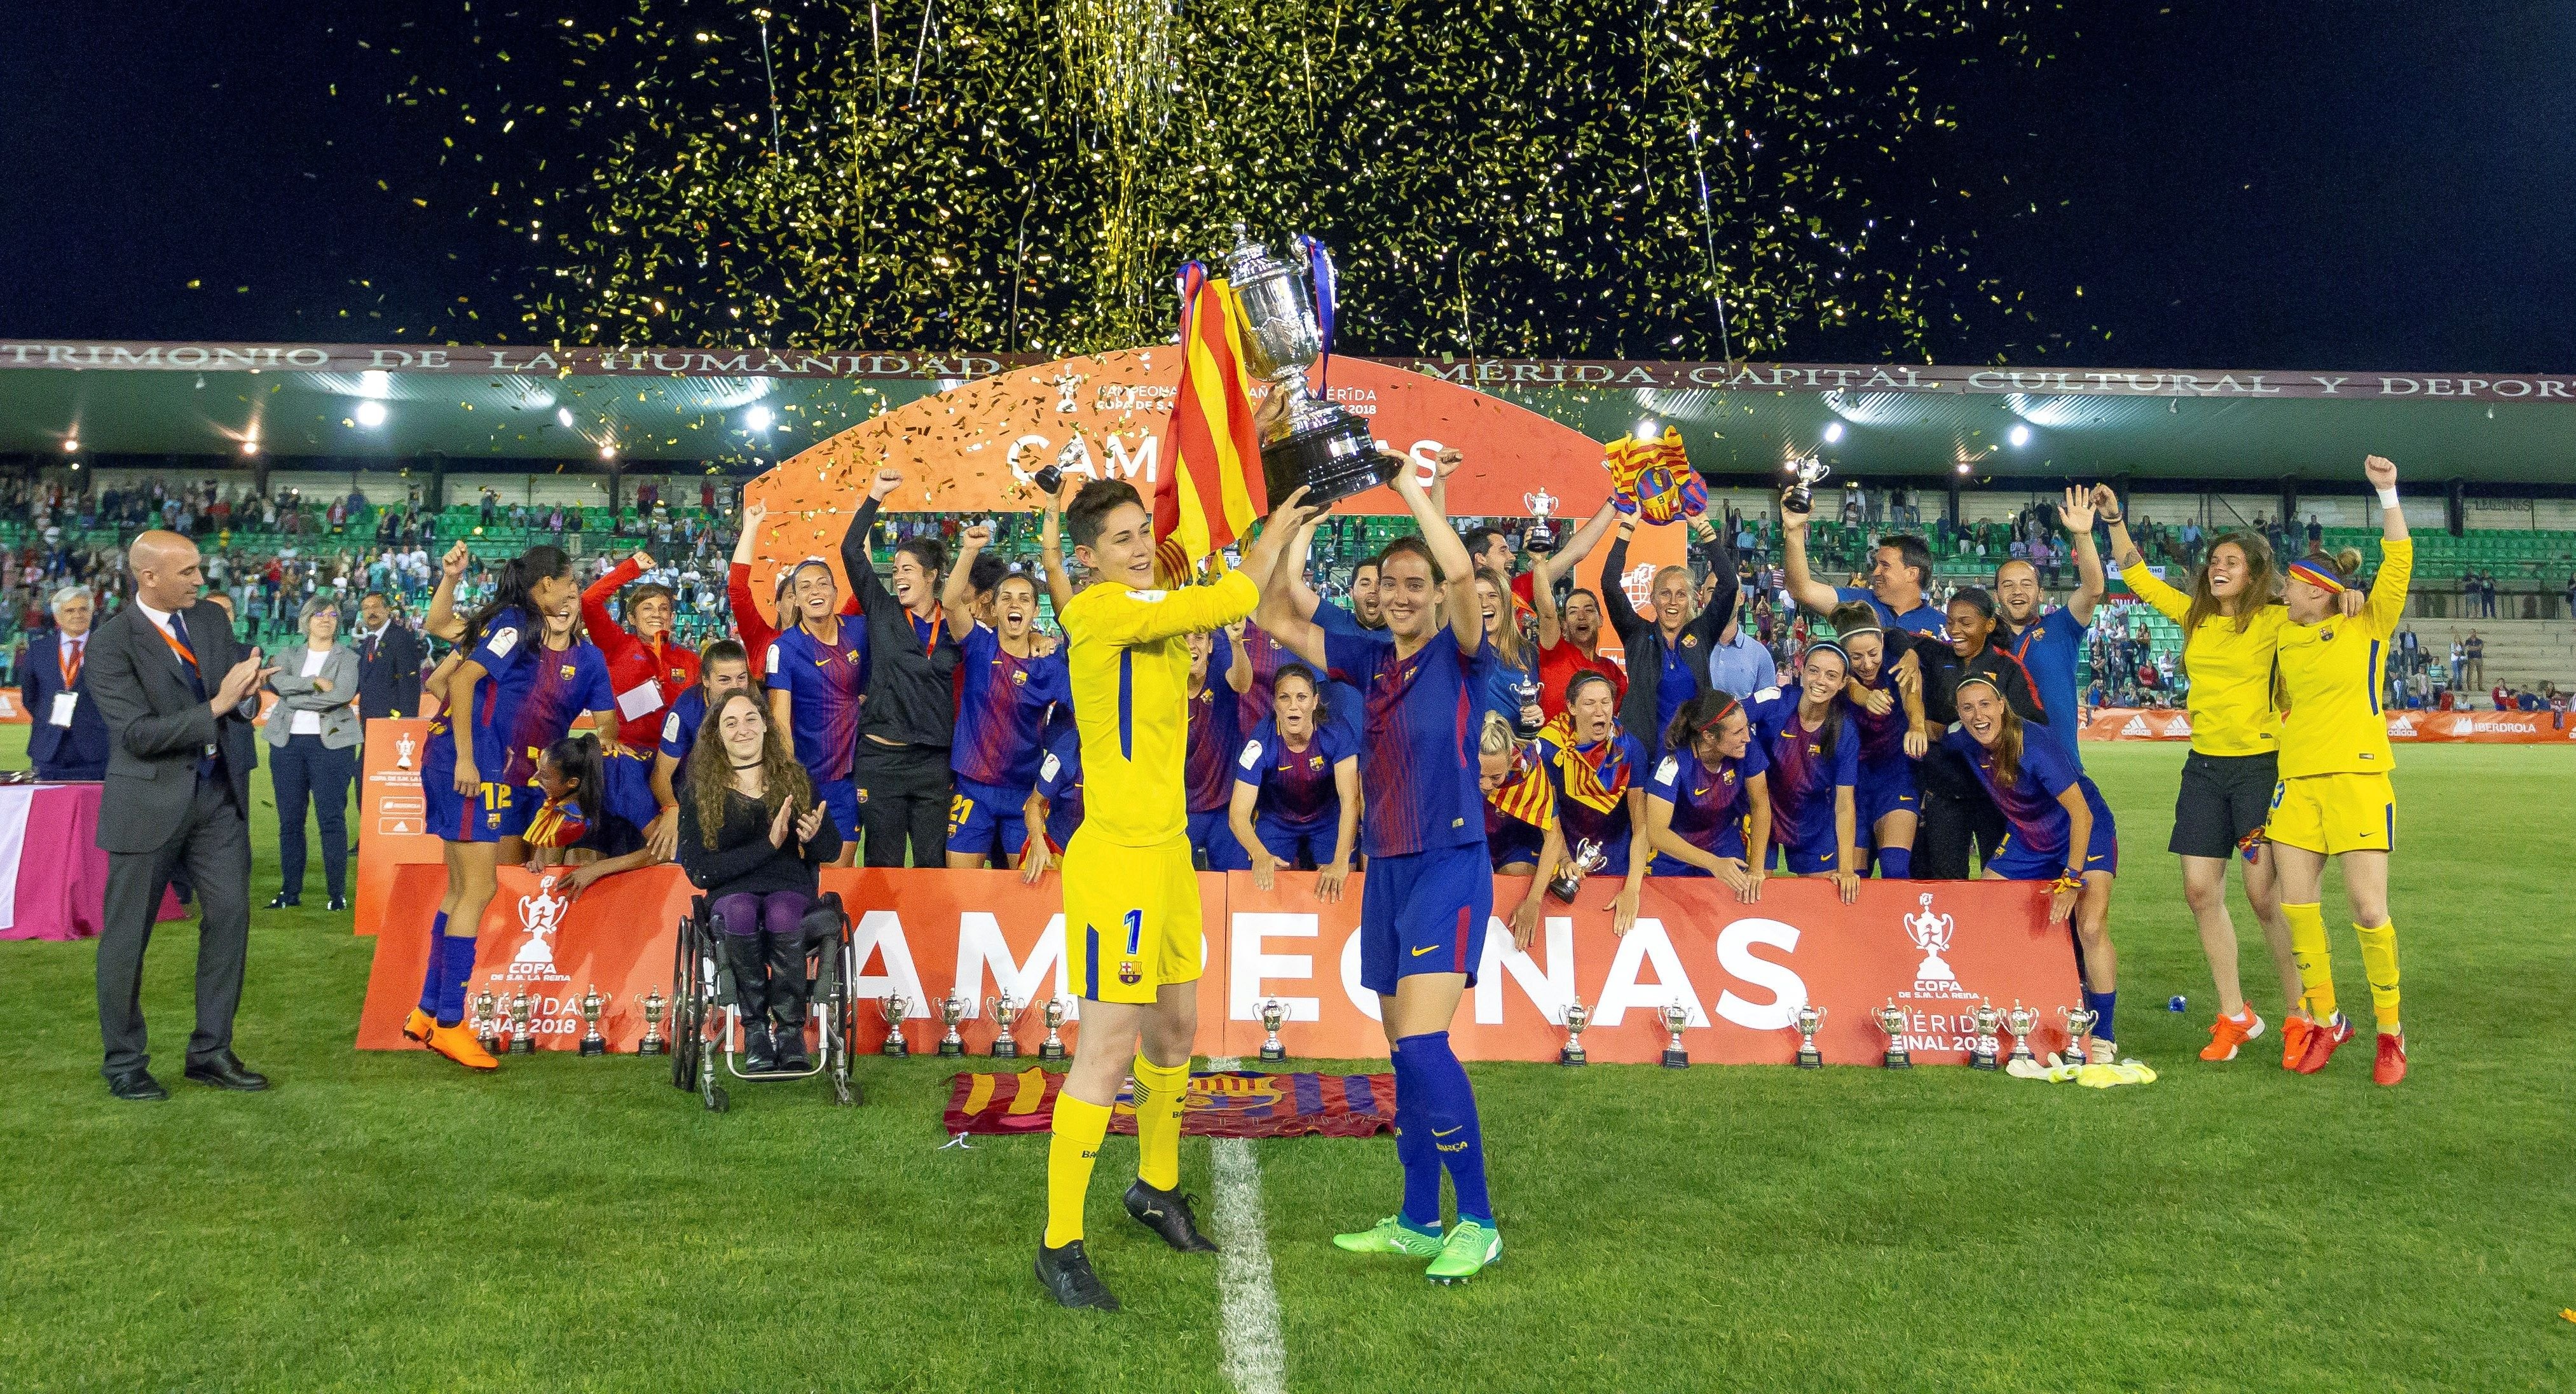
{"x": 1675, "y": 1015}
{"x": 1274, "y": 1013}
{"x": 2021, "y": 1021}
{"x": 952, "y": 1010}
{"x": 894, "y": 1007}
{"x": 654, "y": 1005}
{"x": 523, "y": 1038}
{"x": 1982, "y": 1056}
{"x": 1577, "y": 1017}
{"x": 1313, "y": 444}
{"x": 2079, "y": 1026}
{"x": 487, "y": 1026}
{"x": 1809, "y": 1019}
{"x": 1006, "y": 1010}
{"x": 1051, "y": 1050}
{"x": 1891, "y": 1019}
{"x": 1567, "y": 883}
{"x": 1801, "y": 497}
{"x": 593, "y": 1002}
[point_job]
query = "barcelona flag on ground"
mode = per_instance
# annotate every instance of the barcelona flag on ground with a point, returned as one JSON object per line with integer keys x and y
{"x": 1222, "y": 1103}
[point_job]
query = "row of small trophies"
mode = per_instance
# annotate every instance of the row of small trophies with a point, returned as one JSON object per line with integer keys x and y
{"x": 2021, "y": 1022}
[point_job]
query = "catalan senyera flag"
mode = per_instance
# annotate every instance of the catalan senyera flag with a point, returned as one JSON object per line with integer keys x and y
{"x": 1213, "y": 490}
{"x": 1526, "y": 793}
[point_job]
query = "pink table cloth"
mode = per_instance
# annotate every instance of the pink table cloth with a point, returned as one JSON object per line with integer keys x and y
{"x": 53, "y": 877}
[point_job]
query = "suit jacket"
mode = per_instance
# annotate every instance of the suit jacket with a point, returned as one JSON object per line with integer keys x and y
{"x": 389, "y": 683}
{"x": 76, "y": 752}
{"x": 158, "y": 726}
{"x": 296, "y": 693}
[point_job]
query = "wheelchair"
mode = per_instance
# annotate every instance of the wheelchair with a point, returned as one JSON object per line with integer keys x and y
{"x": 707, "y": 1020}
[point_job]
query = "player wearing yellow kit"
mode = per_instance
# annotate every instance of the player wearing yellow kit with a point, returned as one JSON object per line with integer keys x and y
{"x": 1131, "y": 897}
{"x": 2231, "y": 627}
{"x": 2334, "y": 799}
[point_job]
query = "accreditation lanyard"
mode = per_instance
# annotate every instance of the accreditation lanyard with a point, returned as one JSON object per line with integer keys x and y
{"x": 184, "y": 652}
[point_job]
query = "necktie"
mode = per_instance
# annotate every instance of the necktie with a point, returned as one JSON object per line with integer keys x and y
{"x": 196, "y": 682}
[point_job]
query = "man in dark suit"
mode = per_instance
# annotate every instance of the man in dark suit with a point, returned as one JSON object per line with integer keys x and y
{"x": 388, "y": 660}
{"x": 69, "y": 739}
{"x": 178, "y": 694}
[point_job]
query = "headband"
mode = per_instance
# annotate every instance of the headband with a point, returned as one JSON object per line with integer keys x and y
{"x": 1998, "y": 688}
{"x": 2317, "y": 576}
{"x": 1823, "y": 644}
{"x": 1729, "y": 708}
{"x": 1850, "y": 634}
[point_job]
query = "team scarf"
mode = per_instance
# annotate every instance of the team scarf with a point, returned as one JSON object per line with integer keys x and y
{"x": 1597, "y": 780}
{"x": 1525, "y": 793}
{"x": 557, "y": 823}
{"x": 2316, "y": 576}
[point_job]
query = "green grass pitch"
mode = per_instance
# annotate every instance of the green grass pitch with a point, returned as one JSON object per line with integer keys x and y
{"x": 382, "y": 1221}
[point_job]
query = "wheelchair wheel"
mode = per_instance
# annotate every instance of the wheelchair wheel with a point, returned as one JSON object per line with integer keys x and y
{"x": 688, "y": 1003}
{"x": 717, "y": 1099}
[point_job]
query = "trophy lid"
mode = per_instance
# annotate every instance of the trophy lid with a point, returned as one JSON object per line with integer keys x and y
{"x": 1249, "y": 259}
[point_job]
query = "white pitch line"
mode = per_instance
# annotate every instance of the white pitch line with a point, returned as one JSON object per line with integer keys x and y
{"x": 1254, "y": 1358}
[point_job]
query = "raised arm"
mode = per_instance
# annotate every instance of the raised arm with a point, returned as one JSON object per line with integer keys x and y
{"x": 1623, "y": 617}
{"x": 441, "y": 621}
{"x": 2396, "y": 548}
{"x": 2171, "y": 603}
{"x": 2076, "y": 513}
{"x": 1466, "y": 617}
{"x": 870, "y": 592}
{"x": 1718, "y": 554}
{"x": 1802, "y": 587}
{"x": 612, "y": 638}
{"x": 953, "y": 591}
{"x": 1051, "y": 551}
{"x": 1238, "y": 666}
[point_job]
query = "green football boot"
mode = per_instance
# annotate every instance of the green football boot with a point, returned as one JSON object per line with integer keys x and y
{"x": 1470, "y": 1249}
{"x": 1389, "y": 1236}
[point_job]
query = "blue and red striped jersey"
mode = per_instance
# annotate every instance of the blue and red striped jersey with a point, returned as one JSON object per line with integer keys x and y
{"x": 1804, "y": 774}
{"x": 1707, "y": 802}
{"x": 563, "y": 684}
{"x": 1001, "y": 710}
{"x": 825, "y": 685}
{"x": 1419, "y": 765}
{"x": 1297, "y": 792}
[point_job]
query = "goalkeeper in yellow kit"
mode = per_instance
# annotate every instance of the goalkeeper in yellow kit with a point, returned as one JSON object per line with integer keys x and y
{"x": 2334, "y": 799}
{"x": 1131, "y": 895}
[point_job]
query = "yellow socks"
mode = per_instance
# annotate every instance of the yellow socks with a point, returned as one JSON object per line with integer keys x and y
{"x": 2316, "y": 957}
{"x": 1079, "y": 1127}
{"x": 1161, "y": 1091}
{"x": 2379, "y": 961}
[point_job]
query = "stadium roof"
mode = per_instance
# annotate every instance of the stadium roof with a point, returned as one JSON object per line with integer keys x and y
{"x": 505, "y": 404}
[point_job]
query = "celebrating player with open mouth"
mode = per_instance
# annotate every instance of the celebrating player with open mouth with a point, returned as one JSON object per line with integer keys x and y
{"x": 1889, "y": 719}
{"x": 1004, "y": 690}
{"x": 1430, "y": 888}
{"x": 2061, "y": 832}
{"x": 1131, "y": 894}
{"x": 1813, "y": 754}
{"x": 2334, "y": 801}
{"x": 1708, "y": 808}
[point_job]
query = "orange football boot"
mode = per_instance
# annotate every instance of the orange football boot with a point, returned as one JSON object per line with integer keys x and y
{"x": 2227, "y": 1033}
{"x": 457, "y": 1043}
{"x": 419, "y": 1024}
{"x": 2294, "y": 1040}
{"x": 2323, "y": 1040}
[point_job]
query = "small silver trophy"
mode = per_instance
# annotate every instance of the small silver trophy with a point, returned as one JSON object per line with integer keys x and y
{"x": 2079, "y": 1028}
{"x": 1675, "y": 1015}
{"x": 1982, "y": 1055}
{"x": 1273, "y": 1014}
{"x": 1801, "y": 497}
{"x": 1051, "y": 1050}
{"x": 1313, "y": 444}
{"x": 1006, "y": 1010}
{"x": 1568, "y": 880}
{"x": 2021, "y": 1021}
{"x": 1891, "y": 1019}
{"x": 952, "y": 1010}
{"x": 1578, "y": 1017}
{"x": 523, "y": 1039}
{"x": 654, "y": 1005}
{"x": 893, "y": 1007}
{"x": 487, "y": 1027}
{"x": 1809, "y": 1019}
{"x": 593, "y": 1002}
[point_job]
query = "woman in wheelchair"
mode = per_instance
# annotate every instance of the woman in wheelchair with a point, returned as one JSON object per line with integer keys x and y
{"x": 751, "y": 835}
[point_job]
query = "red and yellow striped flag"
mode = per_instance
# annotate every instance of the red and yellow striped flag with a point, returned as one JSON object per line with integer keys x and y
{"x": 1213, "y": 490}
{"x": 1526, "y": 793}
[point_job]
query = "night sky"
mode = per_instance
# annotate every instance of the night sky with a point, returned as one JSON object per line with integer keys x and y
{"x": 2230, "y": 185}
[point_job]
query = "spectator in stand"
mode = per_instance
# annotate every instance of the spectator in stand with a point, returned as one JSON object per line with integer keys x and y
{"x": 69, "y": 738}
{"x": 2475, "y": 651}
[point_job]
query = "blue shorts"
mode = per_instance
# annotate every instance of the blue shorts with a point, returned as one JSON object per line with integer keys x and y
{"x": 1425, "y": 913}
{"x": 842, "y": 798}
{"x": 525, "y": 800}
{"x": 1211, "y": 833}
{"x": 2015, "y": 862}
{"x": 455, "y": 817}
{"x": 1884, "y": 789}
{"x": 1517, "y": 844}
{"x": 1806, "y": 861}
{"x": 1303, "y": 849}
{"x": 984, "y": 821}
{"x": 1730, "y": 843}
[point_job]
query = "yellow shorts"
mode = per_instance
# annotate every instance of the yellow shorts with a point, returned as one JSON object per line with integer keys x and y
{"x": 2334, "y": 813}
{"x": 1131, "y": 917}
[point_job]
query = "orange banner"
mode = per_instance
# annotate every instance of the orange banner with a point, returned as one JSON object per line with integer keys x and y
{"x": 1935, "y": 949}
{"x": 2418, "y": 727}
{"x": 393, "y": 815}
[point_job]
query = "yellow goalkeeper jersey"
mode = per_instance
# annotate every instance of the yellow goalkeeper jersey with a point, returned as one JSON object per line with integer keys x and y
{"x": 1130, "y": 659}
{"x": 2334, "y": 677}
{"x": 2230, "y": 700}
